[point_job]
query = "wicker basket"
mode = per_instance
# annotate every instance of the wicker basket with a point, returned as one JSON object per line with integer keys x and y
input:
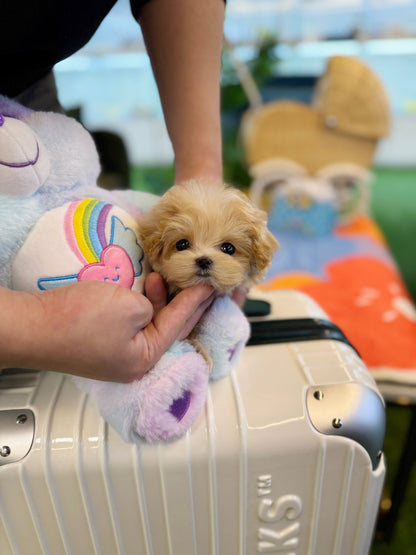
{"x": 348, "y": 116}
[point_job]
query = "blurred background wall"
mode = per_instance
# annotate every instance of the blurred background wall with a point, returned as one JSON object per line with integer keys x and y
{"x": 111, "y": 79}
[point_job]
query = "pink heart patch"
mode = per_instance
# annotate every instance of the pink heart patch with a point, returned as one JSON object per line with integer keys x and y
{"x": 115, "y": 266}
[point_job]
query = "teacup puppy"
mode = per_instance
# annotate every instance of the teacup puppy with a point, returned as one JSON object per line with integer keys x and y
{"x": 201, "y": 232}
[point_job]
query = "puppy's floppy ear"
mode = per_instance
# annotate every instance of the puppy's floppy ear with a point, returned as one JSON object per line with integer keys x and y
{"x": 150, "y": 232}
{"x": 264, "y": 247}
{"x": 153, "y": 224}
{"x": 263, "y": 243}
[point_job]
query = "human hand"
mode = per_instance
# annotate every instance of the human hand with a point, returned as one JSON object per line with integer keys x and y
{"x": 156, "y": 292}
{"x": 99, "y": 330}
{"x": 239, "y": 296}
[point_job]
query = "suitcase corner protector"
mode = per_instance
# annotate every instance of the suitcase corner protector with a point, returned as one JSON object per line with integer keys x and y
{"x": 351, "y": 410}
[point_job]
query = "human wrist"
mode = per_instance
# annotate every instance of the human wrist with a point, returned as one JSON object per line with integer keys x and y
{"x": 205, "y": 164}
{"x": 207, "y": 173}
{"x": 18, "y": 326}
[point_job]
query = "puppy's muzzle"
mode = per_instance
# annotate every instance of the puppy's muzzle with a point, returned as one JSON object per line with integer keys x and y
{"x": 203, "y": 264}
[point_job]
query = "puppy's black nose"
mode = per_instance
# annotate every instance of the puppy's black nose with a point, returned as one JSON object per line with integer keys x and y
{"x": 203, "y": 262}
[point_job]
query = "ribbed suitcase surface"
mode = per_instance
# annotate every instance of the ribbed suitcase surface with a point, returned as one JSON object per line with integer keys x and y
{"x": 284, "y": 459}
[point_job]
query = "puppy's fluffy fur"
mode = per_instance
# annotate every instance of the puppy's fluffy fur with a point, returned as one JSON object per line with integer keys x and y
{"x": 200, "y": 232}
{"x": 204, "y": 233}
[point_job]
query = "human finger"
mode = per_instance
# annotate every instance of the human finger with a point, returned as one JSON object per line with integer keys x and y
{"x": 239, "y": 296}
{"x": 170, "y": 322}
{"x": 195, "y": 317}
{"x": 155, "y": 291}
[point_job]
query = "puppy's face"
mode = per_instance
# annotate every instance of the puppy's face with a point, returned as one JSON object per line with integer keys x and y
{"x": 202, "y": 233}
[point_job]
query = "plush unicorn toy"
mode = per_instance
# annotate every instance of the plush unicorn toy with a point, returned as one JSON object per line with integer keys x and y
{"x": 58, "y": 227}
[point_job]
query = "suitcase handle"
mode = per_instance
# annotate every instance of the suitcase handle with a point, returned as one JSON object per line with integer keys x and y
{"x": 264, "y": 332}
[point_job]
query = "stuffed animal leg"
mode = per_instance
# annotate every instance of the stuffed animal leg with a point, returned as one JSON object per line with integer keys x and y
{"x": 160, "y": 406}
{"x": 224, "y": 331}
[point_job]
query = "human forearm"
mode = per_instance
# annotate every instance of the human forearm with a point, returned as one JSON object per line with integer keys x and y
{"x": 184, "y": 41}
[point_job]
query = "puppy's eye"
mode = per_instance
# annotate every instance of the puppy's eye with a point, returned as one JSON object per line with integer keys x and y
{"x": 228, "y": 248}
{"x": 183, "y": 245}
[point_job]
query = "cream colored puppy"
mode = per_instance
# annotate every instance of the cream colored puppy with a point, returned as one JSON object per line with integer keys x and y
{"x": 202, "y": 233}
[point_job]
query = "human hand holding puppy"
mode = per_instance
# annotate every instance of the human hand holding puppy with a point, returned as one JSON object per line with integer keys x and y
{"x": 94, "y": 329}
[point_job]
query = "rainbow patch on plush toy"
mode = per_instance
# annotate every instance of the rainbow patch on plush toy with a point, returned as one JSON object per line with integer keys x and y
{"x": 86, "y": 240}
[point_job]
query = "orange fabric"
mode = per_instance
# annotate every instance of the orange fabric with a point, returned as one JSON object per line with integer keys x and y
{"x": 368, "y": 301}
{"x": 365, "y": 296}
{"x": 362, "y": 225}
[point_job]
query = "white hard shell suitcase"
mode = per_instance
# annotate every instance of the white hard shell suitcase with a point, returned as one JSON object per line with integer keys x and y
{"x": 285, "y": 458}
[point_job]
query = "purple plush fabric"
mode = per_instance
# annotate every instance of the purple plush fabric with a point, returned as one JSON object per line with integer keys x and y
{"x": 12, "y": 109}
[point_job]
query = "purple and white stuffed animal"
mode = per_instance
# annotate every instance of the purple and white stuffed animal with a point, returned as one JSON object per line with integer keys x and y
{"x": 58, "y": 227}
